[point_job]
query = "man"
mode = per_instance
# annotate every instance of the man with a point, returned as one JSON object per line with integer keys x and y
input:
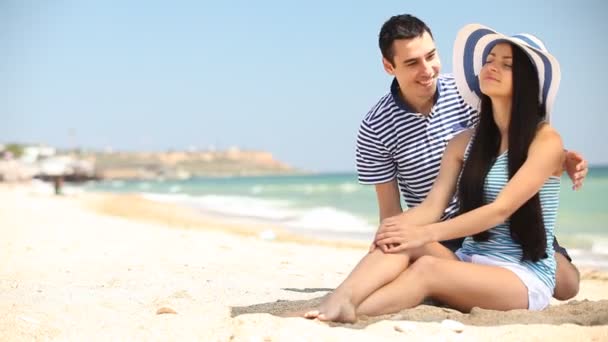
{"x": 403, "y": 137}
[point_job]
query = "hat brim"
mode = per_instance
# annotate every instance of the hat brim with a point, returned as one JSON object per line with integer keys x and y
{"x": 472, "y": 46}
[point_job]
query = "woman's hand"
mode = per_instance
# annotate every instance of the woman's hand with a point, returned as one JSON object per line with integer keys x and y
{"x": 396, "y": 235}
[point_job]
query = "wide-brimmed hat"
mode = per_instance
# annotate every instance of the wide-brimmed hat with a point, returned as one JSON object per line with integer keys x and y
{"x": 471, "y": 48}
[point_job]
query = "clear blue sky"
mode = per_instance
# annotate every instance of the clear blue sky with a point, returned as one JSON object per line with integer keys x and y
{"x": 290, "y": 77}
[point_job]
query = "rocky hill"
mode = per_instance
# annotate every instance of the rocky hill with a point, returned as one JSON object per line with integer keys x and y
{"x": 182, "y": 164}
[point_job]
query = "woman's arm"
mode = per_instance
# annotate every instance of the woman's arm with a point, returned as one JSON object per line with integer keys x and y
{"x": 431, "y": 209}
{"x": 545, "y": 158}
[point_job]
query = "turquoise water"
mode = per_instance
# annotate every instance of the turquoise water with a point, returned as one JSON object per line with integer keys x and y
{"x": 320, "y": 203}
{"x": 336, "y": 205}
{"x": 585, "y": 210}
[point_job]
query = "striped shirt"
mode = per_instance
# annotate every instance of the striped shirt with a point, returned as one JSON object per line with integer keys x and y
{"x": 500, "y": 245}
{"x": 395, "y": 141}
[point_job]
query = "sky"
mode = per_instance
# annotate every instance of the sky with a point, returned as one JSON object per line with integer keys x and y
{"x": 294, "y": 78}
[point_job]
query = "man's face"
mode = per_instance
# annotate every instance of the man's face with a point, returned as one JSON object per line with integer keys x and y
{"x": 416, "y": 66}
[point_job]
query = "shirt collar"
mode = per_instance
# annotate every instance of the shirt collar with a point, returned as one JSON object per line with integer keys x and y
{"x": 396, "y": 93}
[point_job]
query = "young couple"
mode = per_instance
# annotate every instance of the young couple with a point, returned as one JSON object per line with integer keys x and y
{"x": 479, "y": 167}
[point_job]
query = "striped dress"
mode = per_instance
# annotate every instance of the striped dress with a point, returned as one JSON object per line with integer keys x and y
{"x": 500, "y": 245}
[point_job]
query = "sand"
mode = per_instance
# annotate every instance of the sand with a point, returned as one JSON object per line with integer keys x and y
{"x": 108, "y": 267}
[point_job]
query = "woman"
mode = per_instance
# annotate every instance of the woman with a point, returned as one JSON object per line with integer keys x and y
{"x": 508, "y": 189}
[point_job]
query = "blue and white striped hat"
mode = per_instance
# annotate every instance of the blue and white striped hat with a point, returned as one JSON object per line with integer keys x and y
{"x": 471, "y": 48}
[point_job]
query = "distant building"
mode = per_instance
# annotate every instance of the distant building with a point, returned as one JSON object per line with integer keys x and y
{"x": 31, "y": 154}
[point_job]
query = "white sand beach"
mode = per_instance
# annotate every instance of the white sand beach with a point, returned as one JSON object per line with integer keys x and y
{"x": 90, "y": 267}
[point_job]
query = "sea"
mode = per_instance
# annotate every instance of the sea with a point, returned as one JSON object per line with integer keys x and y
{"x": 336, "y": 206}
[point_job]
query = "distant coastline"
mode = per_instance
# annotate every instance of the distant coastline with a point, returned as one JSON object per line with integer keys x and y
{"x": 21, "y": 162}
{"x": 187, "y": 164}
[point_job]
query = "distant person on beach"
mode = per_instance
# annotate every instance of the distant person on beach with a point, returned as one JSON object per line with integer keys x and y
{"x": 58, "y": 184}
{"x": 405, "y": 136}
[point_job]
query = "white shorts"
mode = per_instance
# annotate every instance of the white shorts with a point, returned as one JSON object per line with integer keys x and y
{"x": 539, "y": 294}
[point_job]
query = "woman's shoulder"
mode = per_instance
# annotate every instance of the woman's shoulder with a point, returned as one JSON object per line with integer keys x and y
{"x": 547, "y": 146}
{"x": 547, "y": 137}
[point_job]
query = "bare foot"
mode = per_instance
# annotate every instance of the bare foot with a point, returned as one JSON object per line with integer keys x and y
{"x": 336, "y": 308}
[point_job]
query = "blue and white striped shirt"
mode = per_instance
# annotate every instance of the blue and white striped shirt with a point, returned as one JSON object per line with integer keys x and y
{"x": 394, "y": 141}
{"x": 500, "y": 245}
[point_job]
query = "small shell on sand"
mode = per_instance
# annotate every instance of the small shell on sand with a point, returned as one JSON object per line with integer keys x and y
{"x": 452, "y": 325}
{"x": 165, "y": 310}
{"x": 405, "y": 326}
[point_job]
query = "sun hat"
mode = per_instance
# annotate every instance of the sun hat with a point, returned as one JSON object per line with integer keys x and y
{"x": 471, "y": 48}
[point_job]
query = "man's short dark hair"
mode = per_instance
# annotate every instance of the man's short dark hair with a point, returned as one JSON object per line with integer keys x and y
{"x": 403, "y": 26}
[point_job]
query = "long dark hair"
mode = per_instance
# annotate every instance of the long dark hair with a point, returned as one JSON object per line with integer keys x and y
{"x": 526, "y": 224}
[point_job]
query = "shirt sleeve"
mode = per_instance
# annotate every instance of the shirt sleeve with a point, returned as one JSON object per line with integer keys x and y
{"x": 375, "y": 164}
{"x": 473, "y": 118}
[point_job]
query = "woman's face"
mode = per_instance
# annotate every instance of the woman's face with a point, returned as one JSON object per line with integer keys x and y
{"x": 496, "y": 76}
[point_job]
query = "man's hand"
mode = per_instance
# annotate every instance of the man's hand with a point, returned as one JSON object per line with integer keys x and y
{"x": 372, "y": 247}
{"x": 576, "y": 167}
{"x": 396, "y": 234}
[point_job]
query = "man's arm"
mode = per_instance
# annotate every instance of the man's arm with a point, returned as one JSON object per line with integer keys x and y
{"x": 433, "y": 206}
{"x": 389, "y": 200}
{"x": 389, "y": 203}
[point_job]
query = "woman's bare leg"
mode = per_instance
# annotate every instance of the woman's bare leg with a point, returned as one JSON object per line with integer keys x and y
{"x": 459, "y": 284}
{"x": 375, "y": 270}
